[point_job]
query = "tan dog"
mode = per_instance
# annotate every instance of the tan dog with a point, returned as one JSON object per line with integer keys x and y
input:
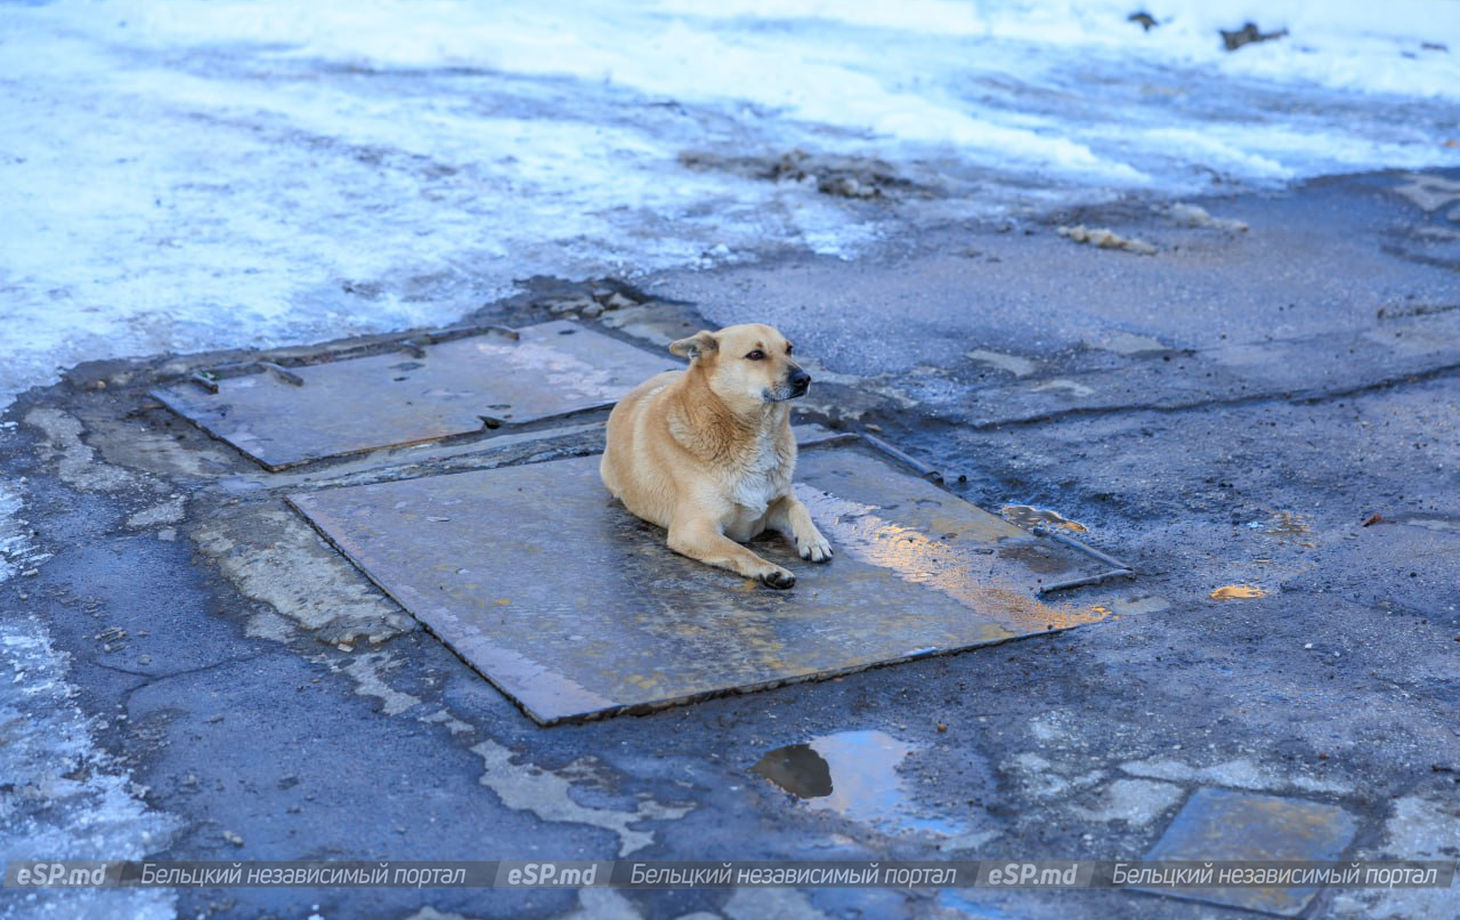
{"x": 707, "y": 453}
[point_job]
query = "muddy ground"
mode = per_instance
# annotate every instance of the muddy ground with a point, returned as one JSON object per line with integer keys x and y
{"x": 1275, "y": 407}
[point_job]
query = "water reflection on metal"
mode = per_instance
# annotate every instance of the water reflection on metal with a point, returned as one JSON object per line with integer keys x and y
{"x": 974, "y": 574}
{"x": 854, "y": 774}
{"x": 426, "y": 393}
{"x": 1289, "y": 524}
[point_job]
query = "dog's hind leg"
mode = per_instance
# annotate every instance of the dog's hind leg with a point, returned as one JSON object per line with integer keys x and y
{"x": 698, "y": 539}
{"x": 788, "y": 516}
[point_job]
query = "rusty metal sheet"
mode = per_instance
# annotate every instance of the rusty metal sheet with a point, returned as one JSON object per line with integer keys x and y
{"x": 1223, "y": 825}
{"x": 398, "y": 398}
{"x": 575, "y": 608}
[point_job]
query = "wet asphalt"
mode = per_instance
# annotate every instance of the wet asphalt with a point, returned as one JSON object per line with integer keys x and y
{"x": 1276, "y": 407}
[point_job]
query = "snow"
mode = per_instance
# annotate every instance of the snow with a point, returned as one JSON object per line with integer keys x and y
{"x": 72, "y": 800}
{"x": 196, "y": 175}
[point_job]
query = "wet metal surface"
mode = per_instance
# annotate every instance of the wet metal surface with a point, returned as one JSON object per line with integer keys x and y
{"x": 1218, "y": 824}
{"x": 423, "y": 392}
{"x": 575, "y": 608}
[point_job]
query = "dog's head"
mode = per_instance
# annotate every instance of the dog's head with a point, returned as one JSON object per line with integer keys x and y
{"x": 746, "y": 366}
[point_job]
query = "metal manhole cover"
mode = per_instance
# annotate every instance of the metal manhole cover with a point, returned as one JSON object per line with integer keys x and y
{"x": 575, "y": 608}
{"x": 407, "y": 397}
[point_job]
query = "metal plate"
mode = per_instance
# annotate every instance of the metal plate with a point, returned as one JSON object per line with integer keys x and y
{"x": 1218, "y": 824}
{"x": 575, "y": 608}
{"x": 395, "y": 399}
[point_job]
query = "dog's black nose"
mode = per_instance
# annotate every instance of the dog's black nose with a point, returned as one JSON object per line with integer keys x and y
{"x": 800, "y": 381}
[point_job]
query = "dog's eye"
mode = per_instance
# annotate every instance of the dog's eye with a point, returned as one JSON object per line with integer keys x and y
{"x": 789, "y": 348}
{"x": 756, "y": 355}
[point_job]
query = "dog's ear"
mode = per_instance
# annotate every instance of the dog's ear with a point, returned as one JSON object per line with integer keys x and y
{"x": 701, "y": 343}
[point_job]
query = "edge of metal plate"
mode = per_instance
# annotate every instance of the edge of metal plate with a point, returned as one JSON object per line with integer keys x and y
{"x": 1118, "y": 569}
{"x": 810, "y": 437}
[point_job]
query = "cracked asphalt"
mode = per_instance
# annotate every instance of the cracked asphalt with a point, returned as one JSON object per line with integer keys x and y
{"x": 1276, "y": 407}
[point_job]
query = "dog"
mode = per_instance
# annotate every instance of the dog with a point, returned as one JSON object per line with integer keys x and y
{"x": 707, "y": 453}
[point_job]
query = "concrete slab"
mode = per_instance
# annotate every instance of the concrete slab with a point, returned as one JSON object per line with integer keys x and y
{"x": 1220, "y": 824}
{"x": 575, "y": 608}
{"x": 417, "y": 394}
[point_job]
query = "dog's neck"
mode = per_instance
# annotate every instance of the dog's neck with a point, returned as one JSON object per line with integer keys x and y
{"x": 708, "y": 427}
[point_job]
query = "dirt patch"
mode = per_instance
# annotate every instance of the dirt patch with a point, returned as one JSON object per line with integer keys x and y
{"x": 865, "y": 178}
{"x": 1105, "y": 238}
{"x": 1247, "y": 35}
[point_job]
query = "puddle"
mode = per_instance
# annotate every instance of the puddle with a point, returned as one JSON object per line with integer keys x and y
{"x": 1236, "y": 592}
{"x": 853, "y": 774}
{"x": 1030, "y": 517}
{"x": 1284, "y": 524}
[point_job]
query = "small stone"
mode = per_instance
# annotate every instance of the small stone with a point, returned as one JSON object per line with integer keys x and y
{"x": 233, "y": 838}
{"x": 593, "y": 311}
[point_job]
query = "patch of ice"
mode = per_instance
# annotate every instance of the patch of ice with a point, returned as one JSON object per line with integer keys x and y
{"x": 70, "y": 799}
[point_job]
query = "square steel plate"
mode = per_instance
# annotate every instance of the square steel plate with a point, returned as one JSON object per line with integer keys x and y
{"x": 576, "y": 609}
{"x": 394, "y": 399}
{"x": 1220, "y": 824}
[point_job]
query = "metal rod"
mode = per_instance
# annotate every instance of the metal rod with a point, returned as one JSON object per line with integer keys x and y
{"x": 1044, "y": 531}
{"x": 927, "y": 472}
{"x": 1085, "y": 580}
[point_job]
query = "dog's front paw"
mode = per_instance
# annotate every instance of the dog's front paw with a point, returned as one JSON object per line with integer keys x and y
{"x": 778, "y": 578}
{"x": 815, "y": 549}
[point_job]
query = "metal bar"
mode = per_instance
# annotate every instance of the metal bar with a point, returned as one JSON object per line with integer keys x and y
{"x": 1042, "y": 530}
{"x": 1085, "y": 580}
{"x": 283, "y": 373}
{"x": 927, "y": 472}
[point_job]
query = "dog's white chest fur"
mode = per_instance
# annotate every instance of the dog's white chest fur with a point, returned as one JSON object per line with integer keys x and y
{"x": 761, "y": 480}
